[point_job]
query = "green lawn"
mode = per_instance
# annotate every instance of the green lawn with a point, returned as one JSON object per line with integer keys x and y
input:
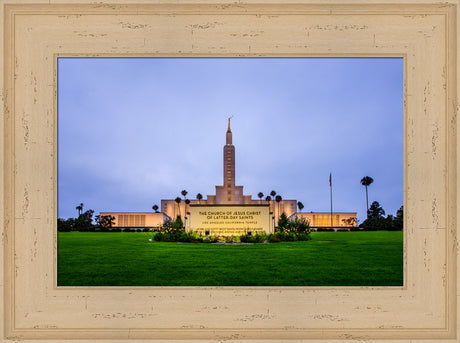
{"x": 328, "y": 259}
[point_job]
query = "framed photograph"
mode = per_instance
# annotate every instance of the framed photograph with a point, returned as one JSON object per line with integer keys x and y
{"x": 36, "y": 34}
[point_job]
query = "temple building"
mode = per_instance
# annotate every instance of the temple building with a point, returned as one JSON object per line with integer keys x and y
{"x": 231, "y": 195}
{"x": 228, "y": 193}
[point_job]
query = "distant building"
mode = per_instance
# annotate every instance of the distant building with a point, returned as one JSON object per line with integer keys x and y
{"x": 323, "y": 219}
{"x": 136, "y": 219}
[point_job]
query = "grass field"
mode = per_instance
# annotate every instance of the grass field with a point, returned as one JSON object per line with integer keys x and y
{"x": 328, "y": 259}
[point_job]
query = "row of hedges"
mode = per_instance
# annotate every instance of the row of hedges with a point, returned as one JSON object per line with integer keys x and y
{"x": 328, "y": 229}
{"x": 100, "y": 229}
{"x": 194, "y": 237}
{"x": 289, "y": 231}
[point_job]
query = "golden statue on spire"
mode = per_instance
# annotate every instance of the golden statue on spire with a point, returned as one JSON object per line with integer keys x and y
{"x": 229, "y": 123}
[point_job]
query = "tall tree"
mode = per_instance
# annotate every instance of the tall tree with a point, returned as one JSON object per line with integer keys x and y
{"x": 300, "y": 206}
{"x": 366, "y": 181}
{"x": 273, "y": 193}
{"x": 79, "y": 208}
{"x": 199, "y": 197}
{"x": 399, "y": 218}
{"x": 155, "y": 208}
{"x": 184, "y": 193}
{"x": 177, "y": 200}
{"x": 85, "y": 221}
{"x": 268, "y": 198}
{"x": 278, "y": 200}
{"x": 260, "y": 195}
{"x": 376, "y": 211}
{"x": 105, "y": 221}
{"x": 187, "y": 202}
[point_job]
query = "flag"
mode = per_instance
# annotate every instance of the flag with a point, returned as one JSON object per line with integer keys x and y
{"x": 330, "y": 179}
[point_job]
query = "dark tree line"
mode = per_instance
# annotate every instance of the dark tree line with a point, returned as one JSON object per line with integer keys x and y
{"x": 84, "y": 221}
{"x": 376, "y": 219}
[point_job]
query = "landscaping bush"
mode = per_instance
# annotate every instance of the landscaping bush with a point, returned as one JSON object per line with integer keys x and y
{"x": 257, "y": 238}
{"x": 210, "y": 239}
{"x": 293, "y": 226}
{"x": 273, "y": 238}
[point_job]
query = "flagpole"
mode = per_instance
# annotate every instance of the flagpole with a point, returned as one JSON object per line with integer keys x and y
{"x": 330, "y": 185}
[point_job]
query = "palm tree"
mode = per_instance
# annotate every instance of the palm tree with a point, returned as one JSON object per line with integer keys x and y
{"x": 260, "y": 195}
{"x": 268, "y": 198}
{"x": 79, "y": 208}
{"x": 199, "y": 197}
{"x": 278, "y": 200}
{"x": 177, "y": 200}
{"x": 155, "y": 208}
{"x": 273, "y": 193}
{"x": 184, "y": 193}
{"x": 366, "y": 181}
{"x": 187, "y": 202}
{"x": 300, "y": 206}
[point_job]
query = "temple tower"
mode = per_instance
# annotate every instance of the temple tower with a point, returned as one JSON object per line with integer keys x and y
{"x": 229, "y": 159}
{"x": 229, "y": 193}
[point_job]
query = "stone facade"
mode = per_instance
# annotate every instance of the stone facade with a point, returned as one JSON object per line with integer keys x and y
{"x": 137, "y": 219}
{"x": 323, "y": 219}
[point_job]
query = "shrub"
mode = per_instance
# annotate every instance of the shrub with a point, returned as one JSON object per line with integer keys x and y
{"x": 273, "y": 238}
{"x": 283, "y": 223}
{"x": 257, "y": 238}
{"x": 172, "y": 227}
{"x": 180, "y": 236}
{"x": 211, "y": 239}
{"x": 65, "y": 225}
{"x": 296, "y": 226}
{"x": 299, "y": 225}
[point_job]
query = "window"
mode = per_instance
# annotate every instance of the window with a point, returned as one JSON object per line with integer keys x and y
{"x": 132, "y": 220}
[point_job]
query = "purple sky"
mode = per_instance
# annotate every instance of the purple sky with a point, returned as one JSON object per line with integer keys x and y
{"x": 133, "y": 131}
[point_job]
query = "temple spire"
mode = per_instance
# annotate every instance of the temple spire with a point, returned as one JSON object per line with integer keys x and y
{"x": 229, "y": 166}
{"x": 229, "y": 133}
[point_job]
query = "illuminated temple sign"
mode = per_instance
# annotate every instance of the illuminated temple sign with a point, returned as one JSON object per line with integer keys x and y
{"x": 229, "y": 219}
{"x": 229, "y": 211}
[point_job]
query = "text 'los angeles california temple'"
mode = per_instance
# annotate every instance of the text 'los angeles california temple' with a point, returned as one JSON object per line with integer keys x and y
{"x": 229, "y": 211}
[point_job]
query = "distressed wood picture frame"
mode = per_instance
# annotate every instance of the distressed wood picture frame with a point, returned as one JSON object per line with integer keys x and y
{"x": 35, "y": 34}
